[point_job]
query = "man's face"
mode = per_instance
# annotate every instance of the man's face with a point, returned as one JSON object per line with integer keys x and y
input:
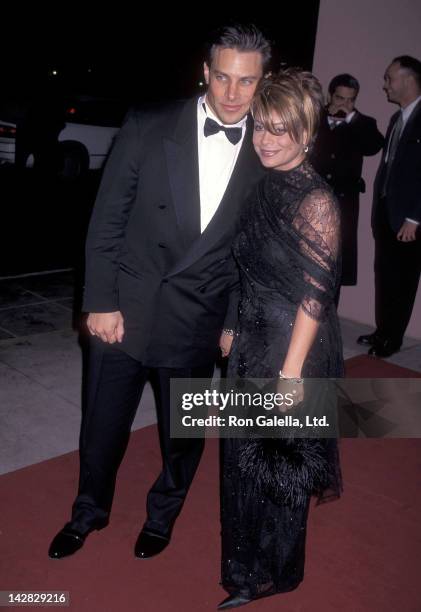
{"x": 395, "y": 83}
{"x": 343, "y": 98}
{"x": 232, "y": 80}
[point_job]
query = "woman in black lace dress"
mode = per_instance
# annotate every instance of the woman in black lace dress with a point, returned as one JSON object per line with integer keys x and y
{"x": 287, "y": 253}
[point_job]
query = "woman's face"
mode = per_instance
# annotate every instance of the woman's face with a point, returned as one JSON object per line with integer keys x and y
{"x": 276, "y": 151}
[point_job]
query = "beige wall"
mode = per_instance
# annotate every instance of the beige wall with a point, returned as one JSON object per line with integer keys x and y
{"x": 362, "y": 37}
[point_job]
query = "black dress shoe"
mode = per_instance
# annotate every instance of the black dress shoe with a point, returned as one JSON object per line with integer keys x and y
{"x": 149, "y": 545}
{"x": 65, "y": 543}
{"x": 368, "y": 339}
{"x": 235, "y": 600}
{"x": 69, "y": 540}
{"x": 384, "y": 348}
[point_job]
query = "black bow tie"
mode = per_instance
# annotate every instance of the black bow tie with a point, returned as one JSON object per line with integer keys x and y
{"x": 212, "y": 127}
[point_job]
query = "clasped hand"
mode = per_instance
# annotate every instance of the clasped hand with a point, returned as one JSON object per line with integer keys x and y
{"x": 108, "y": 326}
{"x": 408, "y": 232}
{"x": 289, "y": 388}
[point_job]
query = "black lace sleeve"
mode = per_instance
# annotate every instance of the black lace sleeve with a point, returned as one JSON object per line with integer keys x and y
{"x": 317, "y": 224}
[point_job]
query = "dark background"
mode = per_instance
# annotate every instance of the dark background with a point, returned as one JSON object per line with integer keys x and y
{"x": 123, "y": 53}
{"x": 151, "y": 55}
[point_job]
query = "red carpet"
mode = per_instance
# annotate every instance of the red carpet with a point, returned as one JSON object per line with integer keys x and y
{"x": 364, "y": 366}
{"x": 363, "y": 551}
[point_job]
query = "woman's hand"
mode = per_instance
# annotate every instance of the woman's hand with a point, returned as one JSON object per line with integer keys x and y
{"x": 225, "y": 342}
{"x": 292, "y": 389}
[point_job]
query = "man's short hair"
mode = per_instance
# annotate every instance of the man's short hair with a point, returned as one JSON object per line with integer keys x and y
{"x": 344, "y": 80}
{"x": 411, "y": 64}
{"x": 242, "y": 37}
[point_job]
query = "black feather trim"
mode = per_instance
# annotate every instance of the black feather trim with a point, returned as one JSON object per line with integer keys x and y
{"x": 288, "y": 470}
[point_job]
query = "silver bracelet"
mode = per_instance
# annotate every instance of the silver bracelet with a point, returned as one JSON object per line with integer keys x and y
{"x": 229, "y": 332}
{"x": 299, "y": 381}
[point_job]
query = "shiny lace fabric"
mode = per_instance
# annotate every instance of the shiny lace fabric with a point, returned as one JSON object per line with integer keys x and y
{"x": 287, "y": 252}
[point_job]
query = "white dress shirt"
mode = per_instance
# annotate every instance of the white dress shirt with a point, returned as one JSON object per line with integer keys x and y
{"x": 335, "y": 121}
{"x": 407, "y": 111}
{"x": 217, "y": 158}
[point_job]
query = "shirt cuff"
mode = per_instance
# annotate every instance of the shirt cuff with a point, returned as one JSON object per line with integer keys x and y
{"x": 412, "y": 221}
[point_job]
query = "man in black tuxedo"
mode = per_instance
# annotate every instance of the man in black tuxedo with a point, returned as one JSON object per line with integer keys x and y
{"x": 396, "y": 211}
{"x": 160, "y": 279}
{"x": 345, "y": 136}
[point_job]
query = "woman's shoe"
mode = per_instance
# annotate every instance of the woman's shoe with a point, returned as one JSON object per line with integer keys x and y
{"x": 234, "y": 601}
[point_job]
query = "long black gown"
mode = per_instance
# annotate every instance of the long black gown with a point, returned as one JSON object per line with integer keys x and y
{"x": 287, "y": 251}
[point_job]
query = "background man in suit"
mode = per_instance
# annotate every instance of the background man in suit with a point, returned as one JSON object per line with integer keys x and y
{"x": 396, "y": 211}
{"x": 160, "y": 278}
{"x": 345, "y": 136}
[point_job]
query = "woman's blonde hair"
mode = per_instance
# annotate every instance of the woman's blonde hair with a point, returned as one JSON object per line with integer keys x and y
{"x": 296, "y": 96}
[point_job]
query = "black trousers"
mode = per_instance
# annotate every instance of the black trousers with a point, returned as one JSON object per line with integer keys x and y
{"x": 397, "y": 267}
{"x": 349, "y": 206}
{"x": 115, "y": 382}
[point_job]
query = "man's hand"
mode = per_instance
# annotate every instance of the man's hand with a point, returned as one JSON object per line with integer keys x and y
{"x": 408, "y": 232}
{"x": 225, "y": 343}
{"x": 109, "y": 326}
{"x": 334, "y": 108}
{"x": 342, "y": 99}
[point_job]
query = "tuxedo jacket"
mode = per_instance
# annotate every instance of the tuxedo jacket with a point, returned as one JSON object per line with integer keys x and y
{"x": 404, "y": 185}
{"x": 338, "y": 154}
{"x": 145, "y": 256}
{"x": 338, "y": 157}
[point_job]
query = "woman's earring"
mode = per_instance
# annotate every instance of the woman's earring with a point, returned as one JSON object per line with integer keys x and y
{"x": 306, "y": 149}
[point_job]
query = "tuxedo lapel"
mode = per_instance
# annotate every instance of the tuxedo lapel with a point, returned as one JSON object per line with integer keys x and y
{"x": 183, "y": 170}
{"x": 245, "y": 172}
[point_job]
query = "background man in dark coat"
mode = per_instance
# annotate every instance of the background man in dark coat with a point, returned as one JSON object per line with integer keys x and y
{"x": 345, "y": 136}
{"x": 396, "y": 213}
{"x": 160, "y": 278}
